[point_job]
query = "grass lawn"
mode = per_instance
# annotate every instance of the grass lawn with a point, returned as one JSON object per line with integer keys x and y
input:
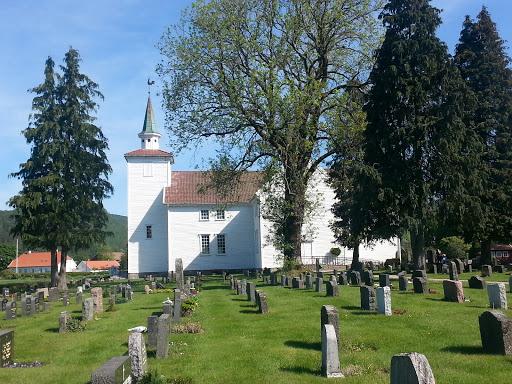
{"x": 239, "y": 345}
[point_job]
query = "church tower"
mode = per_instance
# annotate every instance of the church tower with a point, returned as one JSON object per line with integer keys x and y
{"x": 149, "y": 172}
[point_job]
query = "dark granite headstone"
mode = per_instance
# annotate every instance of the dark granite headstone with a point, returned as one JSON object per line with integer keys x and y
{"x": 486, "y": 270}
{"x": 367, "y": 298}
{"x": 309, "y": 281}
{"x": 297, "y": 283}
{"x": 329, "y": 315}
{"x": 496, "y": 332}
{"x": 332, "y": 289}
{"x": 343, "y": 279}
{"x": 319, "y": 284}
{"x": 409, "y": 368}
{"x": 152, "y": 331}
{"x": 420, "y": 285}
{"x": 403, "y": 282}
{"x": 273, "y": 279}
{"x": 10, "y": 311}
{"x": 6, "y": 348}
{"x": 251, "y": 292}
{"x": 460, "y": 266}
{"x": 368, "y": 277}
{"x": 454, "y": 274}
{"x": 384, "y": 280}
{"x": 419, "y": 273}
{"x": 115, "y": 371}
{"x": 261, "y": 301}
{"x": 477, "y": 282}
{"x": 355, "y": 278}
{"x": 162, "y": 343}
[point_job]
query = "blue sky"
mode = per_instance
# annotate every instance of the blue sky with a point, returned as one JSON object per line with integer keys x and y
{"x": 116, "y": 40}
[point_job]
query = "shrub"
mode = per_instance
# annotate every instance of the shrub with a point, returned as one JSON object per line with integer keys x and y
{"x": 188, "y": 327}
{"x": 188, "y": 306}
{"x": 121, "y": 300}
{"x": 454, "y": 247}
{"x": 153, "y": 377}
{"x": 75, "y": 325}
{"x": 7, "y": 274}
{"x": 335, "y": 251}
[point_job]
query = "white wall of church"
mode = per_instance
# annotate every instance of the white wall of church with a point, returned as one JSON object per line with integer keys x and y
{"x": 147, "y": 252}
{"x": 185, "y": 228}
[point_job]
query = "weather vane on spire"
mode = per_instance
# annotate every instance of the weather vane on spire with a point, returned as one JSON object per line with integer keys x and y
{"x": 150, "y": 83}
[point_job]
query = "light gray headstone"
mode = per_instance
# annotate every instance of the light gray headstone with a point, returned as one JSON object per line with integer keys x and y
{"x": 180, "y": 282}
{"x": 261, "y": 301}
{"x": 97, "y": 298}
{"x": 162, "y": 343}
{"x": 384, "y": 301}
{"x": 411, "y": 368}
{"x": 88, "y": 309}
{"x": 152, "y": 331}
{"x": 309, "y": 281}
{"x": 330, "y": 358}
{"x": 10, "y": 311}
{"x": 168, "y": 308}
{"x": 497, "y": 295}
{"x": 138, "y": 355}
{"x": 319, "y": 285}
{"x": 63, "y": 321}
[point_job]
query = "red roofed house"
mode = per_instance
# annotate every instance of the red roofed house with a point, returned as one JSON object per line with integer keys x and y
{"x": 37, "y": 262}
{"x": 168, "y": 218}
{"x": 96, "y": 265}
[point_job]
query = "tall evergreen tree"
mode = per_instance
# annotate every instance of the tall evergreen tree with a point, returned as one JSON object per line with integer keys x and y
{"x": 415, "y": 136}
{"x": 65, "y": 178}
{"x": 484, "y": 66}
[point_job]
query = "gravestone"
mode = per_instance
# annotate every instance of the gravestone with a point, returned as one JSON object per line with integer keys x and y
{"x": 97, "y": 297}
{"x": 496, "y": 332}
{"x": 273, "y": 279}
{"x": 283, "y": 280}
{"x": 261, "y": 300}
{"x": 330, "y": 357}
{"x": 152, "y": 331}
{"x": 486, "y": 270}
{"x": 477, "y": 282}
{"x": 167, "y": 308}
{"x": 368, "y": 277}
{"x": 497, "y": 295}
{"x": 288, "y": 281}
{"x": 115, "y": 371}
{"x": 453, "y": 291}
{"x": 5, "y": 292}
{"x": 243, "y": 288}
{"x": 88, "y": 309}
{"x": 320, "y": 274}
{"x": 138, "y": 355}
{"x": 332, "y": 289}
{"x": 419, "y": 273}
{"x": 384, "y": 300}
{"x": 111, "y": 300}
{"x": 251, "y": 292}
{"x": 403, "y": 282}
{"x": 10, "y": 311}
{"x": 153, "y": 285}
{"x": 180, "y": 283}
{"x": 411, "y": 368}
{"x": 25, "y": 306}
{"x": 384, "y": 280}
{"x": 47, "y": 306}
{"x": 238, "y": 287}
{"x": 162, "y": 344}
{"x": 232, "y": 282}
{"x": 355, "y": 278}
{"x": 460, "y": 266}
{"x": 177, "y": 306}
{"x": 297, "y": 283}
{"x": 389, "y": 269}
{"x": 65, "y": 300}
{"x": 6, "y": 348}
{"x": 128, "y": 293}
{"x": 3, "y": 304}
{"x": 453, "y": 271}
{"x": 146, "y": 289}
{"x": 53, "y": 294}
{"x": 499, "y": 269}
{"x": 79, "y": 298}
{"x": 367, "y": 298}
{"x": 63, "y": 321}
{"x": 420, "y": 285}
{"x": 329, "y": 315}
{"x": 309, "y": 281}
{"x": 319, "y": 284}
{"x": 17, "y": 296}
{"x": 343, "y": 280}
{"x": 40, "y": 294}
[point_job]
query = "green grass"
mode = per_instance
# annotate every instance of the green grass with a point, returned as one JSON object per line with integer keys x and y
{"x": 239, "y": 345}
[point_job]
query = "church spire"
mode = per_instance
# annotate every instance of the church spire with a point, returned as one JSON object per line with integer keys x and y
{"x": 149, "y": 120}
{"x": 149, "y": 135}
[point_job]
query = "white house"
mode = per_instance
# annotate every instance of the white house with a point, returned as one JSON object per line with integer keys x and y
{"x": 39, "y": 262}
{"x": 168, "y": 218}
{"x": 96, "y": 265}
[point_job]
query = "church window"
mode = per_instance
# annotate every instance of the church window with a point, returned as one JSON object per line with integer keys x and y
{"x": 221, "y": 244}
{"x": 205, "y": 214}
{"x": 220, "y": 215}
{"x": 149, "y": 232}
{"x": 205, "y": 244}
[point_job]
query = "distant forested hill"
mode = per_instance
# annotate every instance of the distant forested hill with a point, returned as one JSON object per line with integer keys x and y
{"x": 117, "y": 224}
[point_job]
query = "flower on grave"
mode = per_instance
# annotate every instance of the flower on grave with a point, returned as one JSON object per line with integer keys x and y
{"x": 399, "y": 312}
{"x": 432, "y": 292}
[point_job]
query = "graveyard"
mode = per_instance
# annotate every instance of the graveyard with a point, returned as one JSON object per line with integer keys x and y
{"x": 256, "y": 330}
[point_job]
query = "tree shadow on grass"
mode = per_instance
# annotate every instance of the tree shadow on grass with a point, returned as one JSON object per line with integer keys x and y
{"x": 365, "y": 313}
{"x": 316, "y": 346}
{"x": 54, "y": 330}
{"x": 238, "y": 298}
{"x": 250, "y": 312}
{"x": 211, "y": 288}
{"x": 465, "y": 349}
{"x": 301, "y": 370}
{"x": 350, "y": 307}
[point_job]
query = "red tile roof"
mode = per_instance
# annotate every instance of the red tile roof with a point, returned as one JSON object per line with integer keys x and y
{"x": 148, "y": 152}
{"x": 185, "y": 186}
{"x": 35, "y": 259}
{"x": 101, "y": 264}
{"x": 501, "y": 247}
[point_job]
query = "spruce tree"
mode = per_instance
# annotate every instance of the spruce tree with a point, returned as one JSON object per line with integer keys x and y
{"x": 484, "y": 66}
{"x": 415, "y": 136}
{"x": 65, "y": 178}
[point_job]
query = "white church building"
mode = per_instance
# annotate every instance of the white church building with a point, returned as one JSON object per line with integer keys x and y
{"x": 168, "y": 218}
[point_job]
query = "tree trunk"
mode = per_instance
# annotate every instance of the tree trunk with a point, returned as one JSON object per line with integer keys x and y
{"x": 356, "y": 264}
{"x": 54, "y": 268}
{"x": 295, "y": 197}
{"x": 418, "y": 248}
{"x": 485, "y": 249}
{"x": 62, "y": 282}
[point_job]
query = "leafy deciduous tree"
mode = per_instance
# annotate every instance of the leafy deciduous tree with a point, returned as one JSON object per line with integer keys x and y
{"x": 260, "y": 77}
